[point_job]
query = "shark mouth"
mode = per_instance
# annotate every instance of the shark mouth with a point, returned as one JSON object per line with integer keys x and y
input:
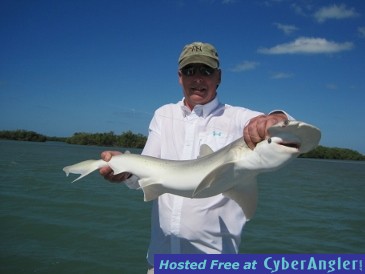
{"x": 289, "y": 144}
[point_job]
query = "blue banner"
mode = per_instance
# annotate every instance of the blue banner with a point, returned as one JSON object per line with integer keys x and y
{"x": 260, "y": 263}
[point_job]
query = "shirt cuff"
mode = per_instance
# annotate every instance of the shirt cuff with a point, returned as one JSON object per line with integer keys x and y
{"x": 281, "y": 111}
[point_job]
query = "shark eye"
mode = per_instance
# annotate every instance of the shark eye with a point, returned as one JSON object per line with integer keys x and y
{"x": 269, "y": 140}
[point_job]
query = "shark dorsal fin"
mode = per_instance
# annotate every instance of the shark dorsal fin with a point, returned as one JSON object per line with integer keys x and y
{"x": 205, "y": 150}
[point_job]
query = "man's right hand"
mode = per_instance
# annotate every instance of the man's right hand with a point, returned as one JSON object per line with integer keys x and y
{"x": 108, "y": 173}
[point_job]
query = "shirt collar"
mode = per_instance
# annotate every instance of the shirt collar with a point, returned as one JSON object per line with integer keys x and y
{"x": 200, "y": 110}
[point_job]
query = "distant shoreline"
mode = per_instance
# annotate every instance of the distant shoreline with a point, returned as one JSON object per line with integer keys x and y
{"x": 132, "y": 140}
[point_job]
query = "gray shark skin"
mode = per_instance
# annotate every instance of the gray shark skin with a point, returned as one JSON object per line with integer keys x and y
{"x": 230, "y": 171}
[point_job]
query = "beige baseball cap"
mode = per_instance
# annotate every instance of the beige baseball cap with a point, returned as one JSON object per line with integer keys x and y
{"x": 198, "y": 52}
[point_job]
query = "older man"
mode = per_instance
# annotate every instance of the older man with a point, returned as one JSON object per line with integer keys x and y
{"x": 176, "y": 132}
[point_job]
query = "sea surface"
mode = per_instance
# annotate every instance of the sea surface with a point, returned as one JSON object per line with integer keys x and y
{"x": 49, "y": 225}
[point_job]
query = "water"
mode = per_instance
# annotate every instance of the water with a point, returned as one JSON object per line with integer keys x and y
{"x": 49, "y": 225}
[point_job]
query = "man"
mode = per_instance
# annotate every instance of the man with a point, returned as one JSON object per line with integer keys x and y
{"x": 176, "y": 132}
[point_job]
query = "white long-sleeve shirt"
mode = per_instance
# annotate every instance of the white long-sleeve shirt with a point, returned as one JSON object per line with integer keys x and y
{"x": 183, "y": 225}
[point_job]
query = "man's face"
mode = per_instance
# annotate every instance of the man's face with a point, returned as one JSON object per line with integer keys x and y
{"x": 199, "y": 83}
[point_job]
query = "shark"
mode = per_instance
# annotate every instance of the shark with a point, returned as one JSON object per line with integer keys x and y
{"x": 231, "y": 170}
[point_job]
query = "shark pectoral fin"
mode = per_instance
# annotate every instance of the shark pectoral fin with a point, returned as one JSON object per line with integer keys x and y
{"x": 151, "y": 189}
{"x": 216, "y": 181}
{"x": 245, "y": 196}
{"x": 84, "y": 168}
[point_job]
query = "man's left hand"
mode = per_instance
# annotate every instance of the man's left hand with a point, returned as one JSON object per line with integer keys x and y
{"x": 256, "y": 130}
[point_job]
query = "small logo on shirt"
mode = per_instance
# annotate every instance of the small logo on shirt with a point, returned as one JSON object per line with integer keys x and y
{"x": 217, "y": 133}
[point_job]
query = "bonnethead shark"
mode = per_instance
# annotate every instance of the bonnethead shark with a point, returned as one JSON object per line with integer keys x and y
{"x": 232, "y": 170}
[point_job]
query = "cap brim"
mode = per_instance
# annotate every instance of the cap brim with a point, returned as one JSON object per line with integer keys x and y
{"x": 199, "y": 59}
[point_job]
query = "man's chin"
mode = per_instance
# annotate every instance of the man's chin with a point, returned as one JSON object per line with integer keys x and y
{"x": 198, "y": 98}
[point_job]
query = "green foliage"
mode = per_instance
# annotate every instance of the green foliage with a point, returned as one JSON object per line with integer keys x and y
{"x": 56, "y": 139}
{"x": 126, "y": 139}
{"x": 129, "y": 139}
{"x": 22, "y": 135}
{"x": 335, "y": 153}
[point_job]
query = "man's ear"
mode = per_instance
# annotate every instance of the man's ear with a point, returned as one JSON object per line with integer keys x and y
{"x": 219, "y": 77}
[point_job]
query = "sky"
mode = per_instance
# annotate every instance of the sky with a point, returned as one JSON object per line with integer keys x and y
{"x": 99, "y": 66}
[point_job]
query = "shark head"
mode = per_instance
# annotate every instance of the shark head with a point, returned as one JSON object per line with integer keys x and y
{"x": 287, "y": 140}
{"x": 295, "y": 135}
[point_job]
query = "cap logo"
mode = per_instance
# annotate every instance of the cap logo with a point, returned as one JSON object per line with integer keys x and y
{"x": 196, "y": 48}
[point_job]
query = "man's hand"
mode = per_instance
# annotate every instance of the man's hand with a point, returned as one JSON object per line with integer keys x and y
{"x": 256, "y": 130}
{"x": 107, "y": 172}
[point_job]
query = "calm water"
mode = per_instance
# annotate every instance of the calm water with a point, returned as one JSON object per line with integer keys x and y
{"x": 49, "y": 225}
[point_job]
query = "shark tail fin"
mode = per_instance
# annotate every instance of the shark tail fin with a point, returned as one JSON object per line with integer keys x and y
{"x": 84, "y": 168}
